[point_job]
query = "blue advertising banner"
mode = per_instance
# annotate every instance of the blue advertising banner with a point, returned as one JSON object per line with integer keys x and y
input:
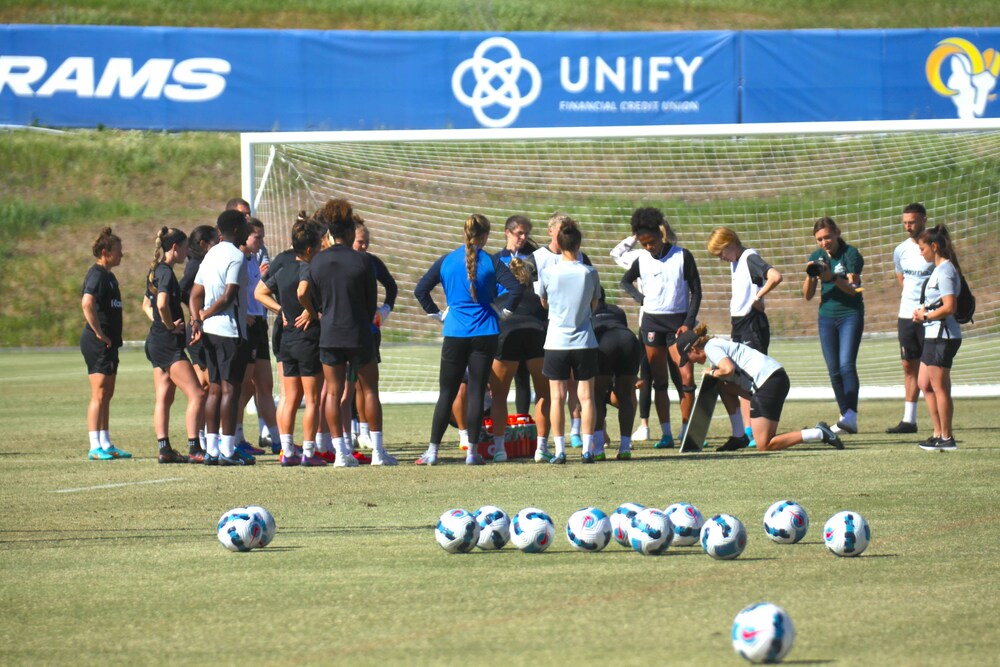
{"x": 211, "y": 79}
{"x": 834, "y": 75}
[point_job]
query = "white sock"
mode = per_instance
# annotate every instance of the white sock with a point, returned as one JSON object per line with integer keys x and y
{"x": 227, "y": 445}
{"x": 463, "y": 437}
{"x": 665, "y": 429}
{"x": 910, "y": 412}
{"x": 626, "y": 444}
{"x": 377, "y": 446}
{"x": 212, "y": 444}
{"x": 201, "y": 439}
{"x": 355, "y": 427}
{"x": 432, "y": 451}
{"x": 348, "y": 441}
{"x": 543, "y": 443}
{"x": 364, "y": 429}
{"x": 736, "y": 420}
{"x": 261, "y": 426}
{"x": 560, "y": 445}
{"x": 95, "y": 439}
{"x": 105, "y": 439}
{"x": 588, "y": 443}
{"x": 498, "y": 441}
{"x": 287, "y": 445}
{"x": 339, "y": 448}
{"x": 309, "y": 448}
{"x": 574, "y": 428}
{"x": 325, "y": 442}
{"x": 812, "y": 435}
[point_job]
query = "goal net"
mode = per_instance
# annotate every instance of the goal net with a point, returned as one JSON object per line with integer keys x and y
{"x": 768, "y": 182}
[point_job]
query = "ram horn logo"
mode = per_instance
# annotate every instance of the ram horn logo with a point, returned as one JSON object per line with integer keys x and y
{"x": 973, "y": 75}
{"x": 497, "y": 83}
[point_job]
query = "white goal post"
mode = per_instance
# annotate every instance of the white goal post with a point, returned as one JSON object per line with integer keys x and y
{"x": 769, "y": 182}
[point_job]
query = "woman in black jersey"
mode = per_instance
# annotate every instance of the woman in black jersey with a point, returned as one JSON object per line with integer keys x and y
{"x": 618, "y": 356}
{"x": 99, "y": 342}
{"x": 165, "y": 348}
{"x": 202, "y": 238}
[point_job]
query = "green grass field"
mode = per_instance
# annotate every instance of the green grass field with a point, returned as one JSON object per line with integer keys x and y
{"x": 118, "y": 563}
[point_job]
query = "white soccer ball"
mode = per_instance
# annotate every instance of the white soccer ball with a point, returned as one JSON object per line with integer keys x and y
{"x": 723, "y": 537}
{"x": 847, "y": 534}
{"x": 687, "y": 522}
{"x": 494, "y": 527}
{"x": 650, "y": 532}
{"x": 786, "y": 522}
{"x": 268, "y": 520}
{"x": 240, "y": 530}
{"x": 457, "y": 531}
{"x": 589, "y": 529}
{"x": 531, "y": 530}
{"x": 763, "y": 632}
{"x": 621, "y": 519}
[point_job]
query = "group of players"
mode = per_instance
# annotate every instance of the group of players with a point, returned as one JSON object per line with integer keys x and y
{"x": 535, "y": 312}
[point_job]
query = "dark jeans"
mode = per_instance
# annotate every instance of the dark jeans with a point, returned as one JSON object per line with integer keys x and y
{"x": 840, "y": 338}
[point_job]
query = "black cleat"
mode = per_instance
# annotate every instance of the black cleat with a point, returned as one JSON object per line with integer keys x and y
{"x": 734, "y": 443}
{"x": 829, "y": 437}
{"x": 902, "y": 427}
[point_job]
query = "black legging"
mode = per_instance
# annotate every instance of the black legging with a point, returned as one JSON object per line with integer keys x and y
{"x": 522, "y": 391}
{"x": 646, "y": 375}
{"x": 458, "y": 354}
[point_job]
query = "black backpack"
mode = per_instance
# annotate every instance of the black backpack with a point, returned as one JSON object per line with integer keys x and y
{"x": 965, "y": 307}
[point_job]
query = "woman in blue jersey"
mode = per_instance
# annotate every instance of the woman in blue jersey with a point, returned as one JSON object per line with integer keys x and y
{"x": 743, "y": 372}
{"x": 837, "y": 267}
{"x": 942, "y": 334}
{"x": 469, "y": 277}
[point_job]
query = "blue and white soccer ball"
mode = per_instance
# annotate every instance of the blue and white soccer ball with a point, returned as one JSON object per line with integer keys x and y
{"x": 650, "y": 532}
{"x": 268, "y": 520}
{"x": 531, "y": 530}
{"x": 687, "y": 522}
{"x": 621, "y": 519}
{"x": 457, "y": 531}
{"x": 723, "y": 537}
{"x": 240, "y": 530}
{"x": 589, "y": 529}
{"x": 847, "y": 534}
{"x": 786, "y": 522}
{"x": 763, "y": 632}
{"x": 494, "y": 527}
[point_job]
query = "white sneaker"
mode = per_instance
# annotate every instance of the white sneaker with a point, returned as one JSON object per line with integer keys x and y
{"x": 641, "y": 433}
{"x": 346, "y": 461}
{"x": 363, "y": 440}
{"x": 500, "y": 455}
{"x": 383, "y": 459}
{"x": 542, "y": 455}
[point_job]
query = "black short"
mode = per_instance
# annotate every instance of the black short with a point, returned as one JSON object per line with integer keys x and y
{"x": 769, "y": 399}
{"x": 911, "y": 339}
{"x": 521, "y": 345}
{"x": 355, "y": 356}
{"x": 753, "y": 330}
{"x": 377, "y": 336}
{"x": 100, "y": 358}
{"x": 619, "y": 353}
{"x": 257, "y": 333}
{"x": 276, "y": 333}
{"x": 940, "y": 351}
{"x": 660, "y": 330}
{"x": 227, "y": 358}
{"x": 163, "y": 350}
{"x": 579, "y": 364}
{"x": 299, "y": 355}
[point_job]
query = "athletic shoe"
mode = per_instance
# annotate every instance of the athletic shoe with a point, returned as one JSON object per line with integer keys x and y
{"x": 248, "y": 449}
{"x": 234, "y": 460}
{"x": 947, "y": 444}
{"x": 383, "y": 459}
{"x": 119, "y": 454}
{"x": 168, "y": 455}
{"x": 345, "y": 462}
{"x": 558, "y": 459}
{"x": 99, "y": 454}
{"x": 211, "y": 460}
{"x": 734, "y": 444}
{"x": 247, "y": 459}
{"x": 931, "y": 444}
{"x": 362, "y": 459}
{"x": 289, "y": 461}
{"x": 600, "y": 456}
{"x": 847, "y": 427}
{"x": 586, "y": 457}
{"x": 265, "y": 443}
{"x": 829, "y": 437}
{"x": 641, "y": 433}
{"x": 666, "y": 442}
{"x": 329, "y": 457}
{"x": 474, "y": 460}
{"x": 542, "y": 455}
{"x": 364, "y": 441}
{"x": 426, "y": 460}
{"x": 902, "y": 427}
{"x": 500, "y": 455}
{"x": 624, "y": 455}
{"x": 312, "y": 462}
{"x": 197, "y": 455}
{"x": 297, "y": 449}
{"x": 575, "y": 440}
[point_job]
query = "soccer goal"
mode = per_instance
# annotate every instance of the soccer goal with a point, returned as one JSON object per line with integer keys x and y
{"x": 768, "y": 182}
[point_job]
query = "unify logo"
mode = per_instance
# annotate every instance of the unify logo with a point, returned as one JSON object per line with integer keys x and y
{"x": 191, "y": 80}
{"x": 497, "y": 82}
{"x": 973, "y": 75}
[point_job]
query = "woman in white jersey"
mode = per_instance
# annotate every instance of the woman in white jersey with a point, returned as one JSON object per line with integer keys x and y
{"x": 942, "y": 334}
{"x": 745, "y": 372}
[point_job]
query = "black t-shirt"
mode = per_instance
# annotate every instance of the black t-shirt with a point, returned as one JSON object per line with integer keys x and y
{"x": 284, "y": 285}
{"x": 187, "y": 279}
{"x": 607, "y": 317}
{"x": 103, "y": 285}
{"x": 345, "y": 282}
{"x": 385, "y": 278}
{"x": 283, "y": 259}
{"x": 165, "y": 282}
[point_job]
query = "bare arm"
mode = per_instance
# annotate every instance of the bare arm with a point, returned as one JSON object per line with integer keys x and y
{"x": 774, "y": 279}
{"x": 147, "y": 308}
{"x": 809, "y": 287}
{"x": 89, "y": 305}
{"x": 266, "y": 297}
{"x": 163, "y": 307}
{"x": 305, "y": 300}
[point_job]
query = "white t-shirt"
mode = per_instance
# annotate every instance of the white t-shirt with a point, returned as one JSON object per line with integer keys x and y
{"x": 753, "y": 368}
{"x": 223, "y": 265}
{"x": 915, "y": 270}
{"x": 570, "y": 288}
{"x": 944, "y": 279}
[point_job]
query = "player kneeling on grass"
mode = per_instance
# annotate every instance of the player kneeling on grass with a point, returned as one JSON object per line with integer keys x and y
{"x": 745, "y": 372}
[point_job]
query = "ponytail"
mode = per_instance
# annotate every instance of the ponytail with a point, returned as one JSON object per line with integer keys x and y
{"x": 166, "y": 239}
{"x": 945, "y": 247}
{"x": 475, "y": 226}
{"x": 104, "y": 242}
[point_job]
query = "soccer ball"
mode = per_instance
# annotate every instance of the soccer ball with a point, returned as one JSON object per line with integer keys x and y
{"x": 847, "y": 534}
{"x": 786, "y": 522}
{"x": 268, "y": 521}
{"x": 589, "y": 529}
{"x": 723, "y": 537}
{"x": 687, "y": 522}
{"x": 621, "y": 519}
{"x": 531, "y": 530}
{"x": 650, "y": 532}
{"x": 240, "y": 530}
{"x": 457, "y": 531}
{"x": 763, "y": 632}
{"x": 494, "y": 527}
